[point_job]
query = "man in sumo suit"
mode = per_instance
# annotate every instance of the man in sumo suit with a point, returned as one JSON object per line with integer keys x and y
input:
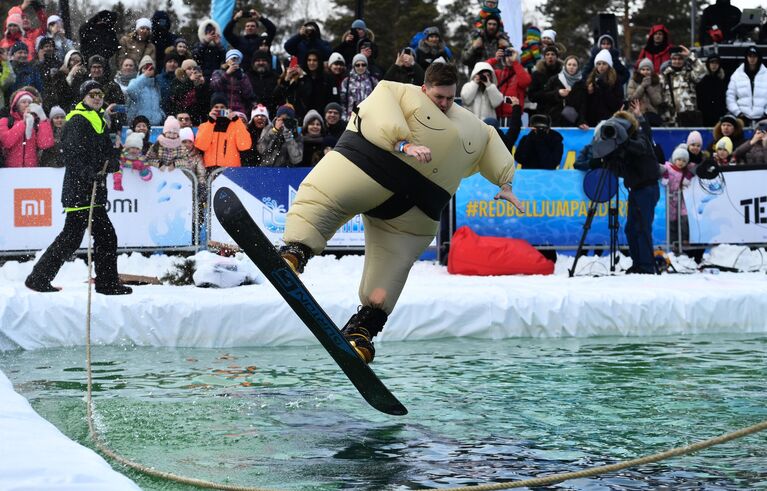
{"x": 400, "y": 160}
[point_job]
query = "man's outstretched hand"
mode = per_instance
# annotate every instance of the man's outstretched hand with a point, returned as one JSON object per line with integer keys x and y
{"x": 509, "y": 196}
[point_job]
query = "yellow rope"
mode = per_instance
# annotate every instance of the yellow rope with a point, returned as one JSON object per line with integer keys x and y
{"x": 538, "y": 481}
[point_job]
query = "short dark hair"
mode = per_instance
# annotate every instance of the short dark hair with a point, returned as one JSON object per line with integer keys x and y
{"x": 441, "y": 74}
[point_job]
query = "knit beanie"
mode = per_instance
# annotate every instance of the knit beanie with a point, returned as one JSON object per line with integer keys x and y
{"x": 53, "y": 19}
{"x": 259, "y": 110}
{"x": 233, "y": 53}
{"x": 359, "y": 57}
{"x": 171, "y": 124}
{"x": 694, "y": 137}
{"x": 146, "y": 60}
{"x": 550, "y": 48}
{"x": 287, "y": 110}
{"x": 549, "y": 33}
{"x": 89, "y": 85}
{"x": 19, "y": 46}
{"x": 605, "y": 56}
{"x": 134, "y": 139}
{"x": 143, "y": 22}
{"x": 680, "y": 153}
{"x": 336, "y": 58}
{"x": 218, "y": 98}
{"x": 56, "y": 111}
{"x": 334, "y": 106}
{"x": 97, "y": 60}
{"x": 724, "y": 142}
{"x": 186, "y": 134}
{"x": 359, "y": 24}
{"x": 15, "y": 19}
{"x": 646, "y": 62}
{"x": 311, "y": 115}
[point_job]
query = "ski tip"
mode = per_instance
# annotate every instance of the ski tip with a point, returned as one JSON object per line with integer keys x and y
{"x": 223, "y": 194}
{"x": 397, "y": 410}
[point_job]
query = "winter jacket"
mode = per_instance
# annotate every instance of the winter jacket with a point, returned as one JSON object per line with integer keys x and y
{"x": 638, "y": 164}
{"x": 27, "y": 73}
{"x": 606, "y": 98}
{"x": 539, "y": 150}
{"x": 221, "y": 140}
{"x": 186, "y": 96}
{"x": 354, "y": 89}
{"x": 248, "y": 44}
{"x": 679, "y": 93}
{"x": 490, "y": 45}
{"x": 321, "y": 90}
{"x": 300, "y": 46}
{"x": 745, "y": 99}
{"x": 235, "y": 87}
{"x": 675, "y": 179}
{"x": 723, "y": 15}
{"x": 737, "y": 137}
{"x": 30, "y": 36}
{"x": 280, "y": 149}
{"x": 99, "y": 39}
{"x": 7, "y": 79}
{"x": 425, "y": 54}
{"x": 755, "y": 154}
{"x": 712, "y": 97}
{"x": 405, "y": 75}
{"x": 650, "y": 94}
{"x": 542, "y": 73}
{"x": 263, "y": 85}
{"x": 555, "y": 103}
{"x": 144, "y": 99}
{"x": 51, "y": 157}
{"x": 85, "y": 145}
{"x": 348, "y": 49}
{"x": 209, "y": 56}
{"x": 19, "y": 150}
{"x": 159, "y": 156}
{"x": 482, "y": 101}
{"x": 162, "y": 37}
{"x": 135, "y": 49}
{"x": 656, "y": 54}
{"x": 251, "y": 157}
{"x": 618, "y": 66}
{"x": 513, "y": 81}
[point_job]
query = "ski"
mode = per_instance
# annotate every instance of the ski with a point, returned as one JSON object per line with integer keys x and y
{"x": 247, "y": 234}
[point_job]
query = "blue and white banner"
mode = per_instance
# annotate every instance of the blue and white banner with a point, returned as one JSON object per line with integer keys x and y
{"x": 267, "y": 193}
{"x": 555, "y": 210}
{"x": 157, "y": 213}
{"x": 729, "y": 211}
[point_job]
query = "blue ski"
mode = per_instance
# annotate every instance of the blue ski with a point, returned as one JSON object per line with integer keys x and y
{"x": 241, "y": 227}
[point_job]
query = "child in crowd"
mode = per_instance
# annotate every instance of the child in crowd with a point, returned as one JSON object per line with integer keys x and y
{"x": 193, "y": 161}
{"x": 676, "y": 176}
{"x": 723, "y": 152}
{"x": 695, "y": 148}
{"x": 167, "y": 152}
{"x": 132, "y": 158}
{"x": 50, "y": 157}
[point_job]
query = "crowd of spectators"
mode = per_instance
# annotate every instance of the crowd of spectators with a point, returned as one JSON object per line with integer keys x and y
{"x": 248, "y": 106}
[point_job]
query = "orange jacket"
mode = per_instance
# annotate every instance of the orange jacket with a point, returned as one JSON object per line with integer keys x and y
{"x": 221, "y": 141}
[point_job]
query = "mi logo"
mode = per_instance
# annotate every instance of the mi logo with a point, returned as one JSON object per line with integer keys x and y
{"x": 32, "y": 207}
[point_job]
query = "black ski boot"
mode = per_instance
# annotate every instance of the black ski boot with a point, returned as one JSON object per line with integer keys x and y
{"x": 296, "y": 255}
{"x": 362, "y": 328}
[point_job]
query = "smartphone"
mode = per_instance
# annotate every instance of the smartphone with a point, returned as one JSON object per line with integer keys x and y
{"x": 507, "y": 100}
{"x": 293, "y": 62}
{"x": 120, "y": 108}
{"x": 223, "y": 113}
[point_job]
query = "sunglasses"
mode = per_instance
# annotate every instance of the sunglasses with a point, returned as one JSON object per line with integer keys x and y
{"x": 184, "y": 118}
{"x": 360, "y": 64}
{"x": 96, "y": 95}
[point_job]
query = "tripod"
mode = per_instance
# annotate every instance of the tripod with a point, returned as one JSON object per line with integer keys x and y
{"x": 601, "y": 186}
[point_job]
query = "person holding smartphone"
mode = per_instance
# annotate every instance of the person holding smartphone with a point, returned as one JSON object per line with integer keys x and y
{"x": 405, "y": 70}
{"x": 513, "y": 81}
{"x": 754, "y": 151}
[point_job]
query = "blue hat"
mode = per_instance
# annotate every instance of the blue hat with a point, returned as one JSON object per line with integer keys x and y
{"x": 233, "y": 53}
{"x": 287, "y": 110}
{"x": 359, "y": 24}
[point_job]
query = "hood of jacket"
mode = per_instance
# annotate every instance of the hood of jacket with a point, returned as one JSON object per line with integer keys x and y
{"x": 204, "y": 24}
{"x": 482, "y": 65}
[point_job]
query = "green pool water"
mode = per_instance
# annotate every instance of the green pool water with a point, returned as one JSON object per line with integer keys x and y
{"x": 480, "y": 411}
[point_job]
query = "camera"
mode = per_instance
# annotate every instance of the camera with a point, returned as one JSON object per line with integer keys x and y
{"x": 223, "y": 113}
{"x": 483, "y": 77}
{"x": 408, "y": 51}
{"x": 290, "y": 124}
{"x": 609, "y": 136}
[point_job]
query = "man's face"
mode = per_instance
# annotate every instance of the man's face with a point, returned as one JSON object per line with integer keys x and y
{"x": 677, "y": 61}
{"x": 19, "y": 55}
{"x": 181, "y": 48}
{"x": 97, "y": 70}
{"x": 433, "y": 39}
{"x": 260, "y": 65}
{"x": 441, "y": 95}
{"x": 128, "y": 66}
{"x": 184, "y": 120}
{"x": 250, "y": 28}
{"x": 727, "y": 129}
{"x": 332, "y": 116}
{"x": 658, "y": 37}
{"x": 171, "y": 65}
{"x": 367, "y": 51}
{"x": 752, "y": 59}
{"x": 143, "y": 33}
{"x": 218, "y": 108}
{"x": 491, "y": 26}
{"x": 550, "y": 58}
{"x": 605, "y": 44}
{"x": 45, "y": 50}
{"x": 361, "y": 33}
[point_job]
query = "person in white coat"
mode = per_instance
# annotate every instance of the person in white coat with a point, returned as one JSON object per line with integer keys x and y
{"x": 747, "y": 90}
{"x": 480, "y": 95}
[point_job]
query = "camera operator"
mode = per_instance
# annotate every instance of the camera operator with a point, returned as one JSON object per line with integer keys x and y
{"x": 281, "y": 145}
{"x": 480, "y": 95}
{"x": 624, "y": 143}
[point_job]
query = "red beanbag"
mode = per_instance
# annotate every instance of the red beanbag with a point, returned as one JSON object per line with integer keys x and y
{"x": 471, "y": 254}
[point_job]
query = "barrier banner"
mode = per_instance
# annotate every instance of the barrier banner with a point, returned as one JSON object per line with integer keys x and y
{"x": 732, "y": 211}
{"x": 155, "y": 213}
{"x": 267, "y": 193}
{"x": 555, "y": 210}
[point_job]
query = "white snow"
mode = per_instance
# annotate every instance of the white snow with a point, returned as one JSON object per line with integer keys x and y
{"x": 433, "y": 304}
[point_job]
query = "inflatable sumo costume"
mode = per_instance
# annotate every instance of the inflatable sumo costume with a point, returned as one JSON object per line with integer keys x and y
{"x": 399, "y": 197}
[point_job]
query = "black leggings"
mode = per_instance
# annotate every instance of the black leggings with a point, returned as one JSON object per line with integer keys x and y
{"x": 69, "y": 240}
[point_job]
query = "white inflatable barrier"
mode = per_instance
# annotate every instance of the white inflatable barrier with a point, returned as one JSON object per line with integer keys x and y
{"x": 158, "y": 213}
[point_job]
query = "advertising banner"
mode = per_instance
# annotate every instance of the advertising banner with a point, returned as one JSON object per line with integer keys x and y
{"x": 555, "y": 210}
{"x": 732, "y": 210}
{"x": 267, "y": 193}
{"x": 155, "y": 213}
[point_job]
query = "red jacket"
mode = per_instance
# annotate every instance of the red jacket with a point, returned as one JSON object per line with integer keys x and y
{"x": 512, "y": 81}
{"x": 657, "y": 54}
{"x": 20, "y": 151}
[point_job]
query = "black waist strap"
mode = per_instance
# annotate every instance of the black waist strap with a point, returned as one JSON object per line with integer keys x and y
{"x": 410, "y": 188}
